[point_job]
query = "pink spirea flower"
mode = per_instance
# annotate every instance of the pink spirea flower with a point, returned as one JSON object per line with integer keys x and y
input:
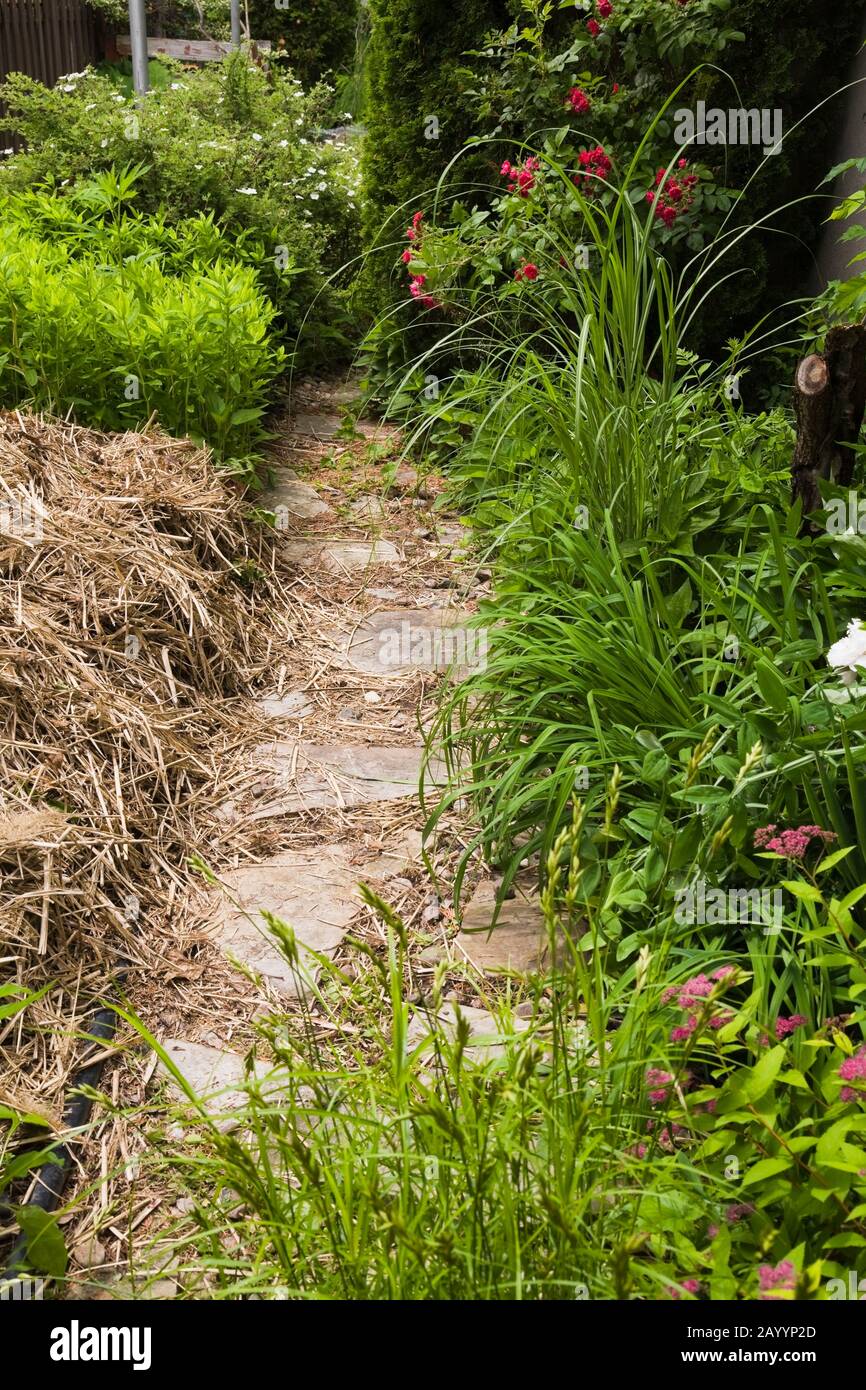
{"x": 660, "y": 1081}
{"x": 684, "y": 1031}
{"x": 689, "y": 1285}
{"x": 694, "y": 990}
{"x": 578, "y": 101}
{"x": 738, "y": 1212}
{"x": 791, "y": 844}
{"x": 782, "y": 1276}
{"x": 407, "y": 256}
{"x": 593, "y": 28}
{"x": 786, "y": 1026}
{"x": 605, "y": 8}
{"x": 854, "y": 1069}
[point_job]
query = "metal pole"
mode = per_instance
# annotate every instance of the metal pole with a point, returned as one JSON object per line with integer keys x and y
{"x": 138, "y": 39}
{"x": 236, "y": 23}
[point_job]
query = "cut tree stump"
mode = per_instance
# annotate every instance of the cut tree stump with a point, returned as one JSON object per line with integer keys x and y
{"x": 829, "y": 402}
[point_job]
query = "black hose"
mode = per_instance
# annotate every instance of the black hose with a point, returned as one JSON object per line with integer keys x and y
{"x": 52, "y": 1176}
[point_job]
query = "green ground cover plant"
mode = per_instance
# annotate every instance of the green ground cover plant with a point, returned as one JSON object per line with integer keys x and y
{"x": 118, "y": 317}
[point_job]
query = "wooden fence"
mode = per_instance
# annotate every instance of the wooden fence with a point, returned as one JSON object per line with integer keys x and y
{"x": 45, "y": 39}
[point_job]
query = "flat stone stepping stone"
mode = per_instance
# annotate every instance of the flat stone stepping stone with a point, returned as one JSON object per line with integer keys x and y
{"x": 369, "y": 508}
{"x": 488, "y": 1034}
{"x": 341, "y": 557}
{"x": 289, "y": 496}
{"x": 313, "y": 891}
{"x": 517, "y": 943}
{"x": 317, "y": 426}
{"x": 400, "y": 640}
{"x": 311, "y": 776}
{"x": 377, "y": 430}
{"x": 295, "y": 704}
{"x": 213, "y": 1074}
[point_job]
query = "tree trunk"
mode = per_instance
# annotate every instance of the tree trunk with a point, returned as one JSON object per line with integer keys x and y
{"x": 829, "y": 402}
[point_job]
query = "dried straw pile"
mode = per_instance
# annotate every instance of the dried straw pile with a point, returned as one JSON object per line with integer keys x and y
{"x": 131, "y": 583}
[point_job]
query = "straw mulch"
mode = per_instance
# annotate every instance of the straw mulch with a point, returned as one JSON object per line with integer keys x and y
{"x": 138, "y": 606}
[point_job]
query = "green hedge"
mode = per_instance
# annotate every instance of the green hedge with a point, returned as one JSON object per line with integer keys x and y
{"x": 415, "y": 61}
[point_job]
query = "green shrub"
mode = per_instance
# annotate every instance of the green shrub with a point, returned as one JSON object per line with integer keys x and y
{"x": 116, "y": 318}
{"x": 223, "y": 141}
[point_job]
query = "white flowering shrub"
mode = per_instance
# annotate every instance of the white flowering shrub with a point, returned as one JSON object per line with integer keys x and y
{"x": 228, "y": 141}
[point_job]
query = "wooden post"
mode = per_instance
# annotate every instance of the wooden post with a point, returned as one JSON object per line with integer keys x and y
{"x": 829, "y": 403}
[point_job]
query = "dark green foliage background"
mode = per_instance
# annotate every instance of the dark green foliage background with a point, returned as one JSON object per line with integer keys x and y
{"x": 414, "y": 62}
{"x": 796, "y": 52}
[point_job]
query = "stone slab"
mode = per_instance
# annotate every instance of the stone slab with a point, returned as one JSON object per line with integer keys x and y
{"x": 214, "y": 1074}
{"x": 517, "y": 943}
{"x": 308, "y": 776}
{"x": 312, "y": 891}
{"x": 488, "y": 1034}
{"x": 289, "y": 494}
{"x": 399, "y": 640}
{"x": 317, "y": 426}
{"x": 340, "y": 557}
{"x": 294, "y": 704}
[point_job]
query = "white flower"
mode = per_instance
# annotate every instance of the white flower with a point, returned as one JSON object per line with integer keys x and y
{"x": 321, "y": 187}
{"x": 283, "y": 144}
{"x": 178, "y": 86}
{"x": 255, "y": 136}
{"x": 314, "y": 196}
{"x": 250, "y": 192}
{"x": 849, "y": 652}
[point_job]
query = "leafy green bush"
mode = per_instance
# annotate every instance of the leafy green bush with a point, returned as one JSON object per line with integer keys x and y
{"x": 223, "y": 141}
{"x": 117, "y": 318}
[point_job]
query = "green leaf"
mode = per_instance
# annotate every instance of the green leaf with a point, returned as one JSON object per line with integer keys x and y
{"x": 748, "y": 1086}
{"x": 767, "y": 1168}
{"x": 771, "y": 686}
{"x": 807, "y": 891}
{"x": 832, "y": 860}
{"x": 46, "y": 1248}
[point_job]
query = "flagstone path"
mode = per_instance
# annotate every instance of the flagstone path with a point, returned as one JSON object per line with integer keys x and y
{"x": 385, "y": 585}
